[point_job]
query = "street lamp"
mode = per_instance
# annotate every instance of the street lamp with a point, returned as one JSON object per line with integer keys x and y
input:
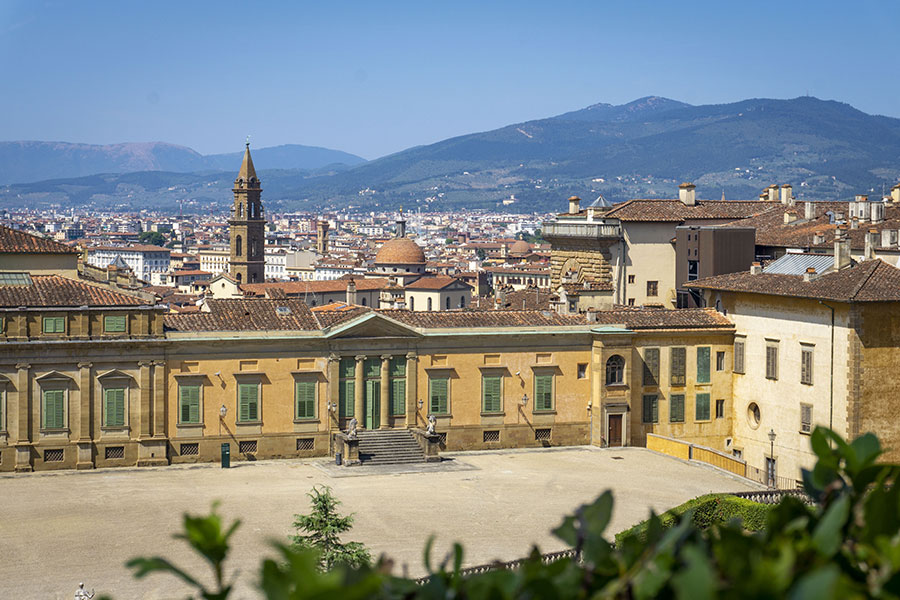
{"x": 772, "y": 455}
{"x": 223, "y": 411}
{"x": 524, "y": 400}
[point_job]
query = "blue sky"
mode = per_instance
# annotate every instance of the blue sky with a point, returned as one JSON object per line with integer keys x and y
{"x": 377, "y": 77}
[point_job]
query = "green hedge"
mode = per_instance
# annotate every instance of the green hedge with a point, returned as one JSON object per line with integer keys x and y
{"x": 709, "y": 510}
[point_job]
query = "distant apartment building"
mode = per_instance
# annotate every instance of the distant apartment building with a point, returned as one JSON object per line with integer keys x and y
{"x": 276, "y": 263}
{"x": 149, "y": 263}
{"x": 214, "y": 260}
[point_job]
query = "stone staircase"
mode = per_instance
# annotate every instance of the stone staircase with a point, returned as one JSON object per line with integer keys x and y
{"x": 389, "y": 447}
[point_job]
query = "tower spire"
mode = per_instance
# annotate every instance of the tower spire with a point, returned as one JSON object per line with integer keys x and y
{"x": 247, "y": 172}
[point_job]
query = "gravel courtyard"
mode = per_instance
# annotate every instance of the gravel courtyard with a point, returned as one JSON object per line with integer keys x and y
{"x": 57, "y": 529}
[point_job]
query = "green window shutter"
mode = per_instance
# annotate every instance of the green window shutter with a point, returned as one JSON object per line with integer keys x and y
{"x": 703, "y": 364}
{"x": 543, "y": 392}
{"x": 189, "y": 399}
{"x": 372, "y": 368}
{"x": 114, "y": 324}
{"x": 490, "y": 393}
{"x": 651, "y": 366}
{"x": 346, "y": 398}
{"x": 115, "y": 407}
{"x": 676, "y": 408}
{"x": 54, "y": 409}
{"x": 54, "y": 325}
{"x": 398, "y": 396}
{"x": 702, "y": 407}
{"x": 677, "y": 359}
{"x": 650, "y": 408}
{"x": 248, "y": 400}
{"x": 306, "y": 399}
{"x": 347, "y": 368}
{"x": 398, "y": 366}
{"x": 438, "y": 393}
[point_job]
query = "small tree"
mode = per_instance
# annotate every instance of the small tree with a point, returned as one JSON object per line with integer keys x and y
{"x": 323, "y": 527}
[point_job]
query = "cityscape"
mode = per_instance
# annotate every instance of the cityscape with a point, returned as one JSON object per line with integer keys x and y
{"x": 443, "y": 373}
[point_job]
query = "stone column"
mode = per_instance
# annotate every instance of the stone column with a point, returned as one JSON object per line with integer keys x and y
{"x": 159, "y": 398}
{"x": 334, "y": 390}
{"x": 85, "y": 459}
{"x": 411, "y": 390}
{"x": 145, "y": 398}
{"x": 23, "y": 424}
{"x": 384, "y": 405}
{"x": 359, "y": 403}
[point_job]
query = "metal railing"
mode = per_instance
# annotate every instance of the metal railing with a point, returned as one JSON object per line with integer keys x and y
{"x": 581, "y": 230}
{"x": 507, "y": 565}
{"x": 773, "y": 496}
{"x": 780, "y": 483}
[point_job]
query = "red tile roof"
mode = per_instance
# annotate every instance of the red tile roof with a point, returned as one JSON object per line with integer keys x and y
{"x": 56, "y": 290}
{"x": 437, "y": 282}
{"x": 13, "y": 241}
{"x": 677, "y": 211}
{"x": 257, "y": 314}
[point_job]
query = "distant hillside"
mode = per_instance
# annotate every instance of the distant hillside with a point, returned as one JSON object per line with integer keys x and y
{"x": 825, "y": 149}
{"x": 26, "y": 162}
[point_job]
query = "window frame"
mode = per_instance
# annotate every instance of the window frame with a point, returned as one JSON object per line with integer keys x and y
{"x": 653, "y": 289}
{"x": 675, "y": 379}
{"x": 739, "y": 356}
{"x": 492, "y": 378}
{"x": 106, "y": 328}
{"x": 720, "y": 364}
{"x": 673, "y": 404}
{"x": 184, "y": 386}
{"x": 650, "y": 371}
{"x": 616, "y": 369}
{"x": 806, "y": 427}
{"x": 807, "y": 371}
{"x": 114, "y": 387}
{"x": 431, "y": 406}
{"x": 46, "y": 320}
{"x": 650, "y": 409}
{"x": 720, "y": 403}
{"x": 397, "y": 406}
{"x": 772, "y": 360}
{"x": 537, "y": 395}
{"x": 346, "y": 387}
{"x": 299, "y": 383}
{"x": 697, "y": 416}
{"x": 581, "y": 371}
{"x": 64, "y": 402}
{"x": 242, "y": 385}
{"x": 704, "y": 356}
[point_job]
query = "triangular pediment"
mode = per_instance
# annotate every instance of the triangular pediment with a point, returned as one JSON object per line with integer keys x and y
{"x": 373, "y": 325}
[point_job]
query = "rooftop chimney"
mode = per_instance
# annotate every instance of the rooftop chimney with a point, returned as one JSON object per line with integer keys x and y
{"x": 810, "y": 274}
{"x": 789, "y": 217}
{"x": 787, "y": 197}
{"x": 871, "y": 242}
{"x": 854, "y": 222}
{"x": 810, "y": 211}
{"x": 819, "y": 238}
{"x": 351, "y": 292}
{"x": 772, "y": 192}
{"x": 841, "y": 249}
{"x": 876, "y": 212}
{"x": 574, "y": 202}
{"x": 885, "y": 238}
{"x": 895, "y": 193}
{"x": 755, "y": 268}
{"x": 687, "y": 195}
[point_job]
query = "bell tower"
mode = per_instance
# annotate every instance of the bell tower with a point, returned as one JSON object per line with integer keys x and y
{"x": 246, "y": 226}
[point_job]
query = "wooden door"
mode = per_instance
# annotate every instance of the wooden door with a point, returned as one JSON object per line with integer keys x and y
{"x": 615, "y": 430}
{"x": 373, "y": 403}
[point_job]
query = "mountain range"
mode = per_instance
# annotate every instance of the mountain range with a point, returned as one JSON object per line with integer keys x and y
{"x": 826, "y": 149}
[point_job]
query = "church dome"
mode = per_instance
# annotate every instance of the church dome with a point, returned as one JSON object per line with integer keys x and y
{"x": 400, "y": 251}
{"x": 520, "y": 247}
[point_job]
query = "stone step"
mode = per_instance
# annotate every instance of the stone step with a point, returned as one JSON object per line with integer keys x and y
{"x": 389, "y": 447}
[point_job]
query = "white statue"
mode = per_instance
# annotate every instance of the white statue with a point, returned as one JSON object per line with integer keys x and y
{"x": 431, "y": 422}
{"x": 83, "y": 594}
{"x": 351, "y": 428}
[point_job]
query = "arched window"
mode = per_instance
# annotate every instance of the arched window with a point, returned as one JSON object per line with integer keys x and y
{"x": 615, "y": 370}
{"x": 462, "y": 301}
{"x": 364, "y": 301}
{"x": 239, "y": 277}
{"x": 429, "y": 304}
{"x": 447, "y": 303}
{"x": 240, "y": 210}
{"x": 238, "y": 245}
{"x": 412, "y": 303}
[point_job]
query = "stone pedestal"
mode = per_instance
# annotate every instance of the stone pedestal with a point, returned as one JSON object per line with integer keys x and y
{"x": 152, "y": 453}
{"x": 85, "y": 460}
{"x": 430, "y": 444}
{"x": 23, "y": 458}
{"x": 349, "y": 449}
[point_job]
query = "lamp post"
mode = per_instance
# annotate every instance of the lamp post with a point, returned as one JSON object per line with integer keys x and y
{"x": 524, "y": 400}
{"x": 771, "y": 456}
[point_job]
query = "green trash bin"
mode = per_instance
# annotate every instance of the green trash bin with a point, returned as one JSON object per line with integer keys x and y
{"x": 226, "y": 456}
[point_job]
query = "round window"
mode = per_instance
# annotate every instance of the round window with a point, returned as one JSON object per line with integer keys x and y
{"x": 753, "y": 416}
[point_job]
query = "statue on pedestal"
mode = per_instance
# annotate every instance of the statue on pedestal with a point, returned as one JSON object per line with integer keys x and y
{"x": 351, "y": 428}
{"x": 431, "y": 423}
{"x": 83, "y": 594}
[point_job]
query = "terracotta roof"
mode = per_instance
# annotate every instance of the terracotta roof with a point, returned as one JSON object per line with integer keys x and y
{"x": 677, "y": 211}
{"x": 55, "y": 290}
{"x": 573, "y": 289}
{"x": 132, "y": 248}
{"x": 869, "y": 281}
{"x": 483, "y": 318}
{"x": 400, "y": 251}
{"x": 529, "y": 299}
{"x": 298, "y": 288}
{"x": 520, "y": 247}
{"x": 257, "y": 314}
{"x": 663, "y": 318}
{"x": 18, "y": 242}
{"x": 437, "y": 282}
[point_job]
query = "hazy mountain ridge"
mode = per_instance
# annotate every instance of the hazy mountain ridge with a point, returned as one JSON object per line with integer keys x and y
{"x": 31, "y": 161}
{"x": 826, "y": 149}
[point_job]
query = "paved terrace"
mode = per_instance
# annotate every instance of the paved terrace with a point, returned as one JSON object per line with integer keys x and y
{"x": 57, "y": 529}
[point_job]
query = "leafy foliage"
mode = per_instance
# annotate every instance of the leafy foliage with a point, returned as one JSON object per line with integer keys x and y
{"x": 154, "y": 238}
{"x": 846, "y": 546}
{"x": 323, "y": 527}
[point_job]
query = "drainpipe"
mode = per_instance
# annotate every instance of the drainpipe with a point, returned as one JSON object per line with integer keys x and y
{"x": 831, "y": 382}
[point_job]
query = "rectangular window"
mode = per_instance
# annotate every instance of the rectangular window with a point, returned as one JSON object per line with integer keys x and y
{"x": 347, "y": 387}
{"x": 54, "y": 324}
{"x": 54, "y": 409}
{"x": 650, "y": 413}
{"x": 439, "y": 395}
{"x": 651, "y": 366}
{"x": 703, "y": 364}
{"x": 676, "y": 408}
{"x": 806, "y": 365}
{"x": 491, "y": 400}
{"x": 189, "y": 403}
{"x": 248, "y": 402}
{"x": 543, "y": 392}
{"x": 631, "y": 302}
{"x": 582, "y": 370}
{"x": 114, "y": 407}
{"x": 398, "y": 386}
{"x": 631, "y": 279}
{"x": 739, "y": 356}
{"x": 720, "y": 361}
{"x": 305, "y": 399}
{"x": 720, "y": 408}
{"x": 771, "y": 361}
{"x": 805, "y": 418}
{"x": 677, "y": 358}
{"x": 652, "y": 288}
{"x": 702, "y": 408}
{"x": 114, "y": 324}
